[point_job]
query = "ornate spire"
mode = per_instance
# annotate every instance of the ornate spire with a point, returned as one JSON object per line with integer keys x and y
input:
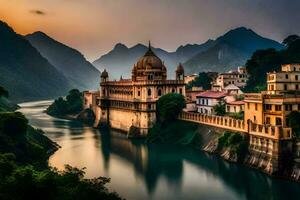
{"x": 149, "y": 52}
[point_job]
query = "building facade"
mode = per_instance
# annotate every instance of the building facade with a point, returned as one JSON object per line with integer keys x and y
{"x": 206, "y": 101}
{"x": 267, "y": 113}
{"x": 238, "y": 78}
{"x": 130, "y": 104}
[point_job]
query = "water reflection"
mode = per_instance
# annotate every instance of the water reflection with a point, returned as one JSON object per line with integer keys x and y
{"x": 152, "y": 171}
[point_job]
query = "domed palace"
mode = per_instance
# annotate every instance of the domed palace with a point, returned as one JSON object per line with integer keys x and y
{"x": 130, "y": 104}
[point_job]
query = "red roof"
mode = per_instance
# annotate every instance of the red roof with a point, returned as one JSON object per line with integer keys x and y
{"x": 212, "y": 94}
{"x": 236, "y": 103}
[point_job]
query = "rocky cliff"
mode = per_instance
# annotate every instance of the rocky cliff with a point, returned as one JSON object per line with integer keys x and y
{"x": 254, "y": 159}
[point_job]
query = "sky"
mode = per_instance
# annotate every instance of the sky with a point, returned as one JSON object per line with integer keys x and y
{"x": 95, "y": 26}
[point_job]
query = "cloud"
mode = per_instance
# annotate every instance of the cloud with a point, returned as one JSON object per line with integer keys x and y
{"x": 37, "y": 12}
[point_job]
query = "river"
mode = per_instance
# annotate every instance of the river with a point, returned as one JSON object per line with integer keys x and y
{"x": 151, "y": 171}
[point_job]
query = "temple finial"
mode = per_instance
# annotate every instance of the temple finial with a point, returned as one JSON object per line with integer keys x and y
{"x": 149, "y": 46}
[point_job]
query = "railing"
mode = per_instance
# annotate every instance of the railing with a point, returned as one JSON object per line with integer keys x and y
{"x": 213, "y": 120}
{"x": 274, "y": 132}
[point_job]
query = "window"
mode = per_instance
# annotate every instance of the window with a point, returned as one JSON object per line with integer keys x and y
{"x": 180, "y": 90}
{"x": 288, "y": 107}
{"x": 285, "y": 87}
{"x": 268, "y": 107}
{"x": 254, "y": 118}
{"x": 150, "y": 77}
{"x": 139, "y": 93}
{"x": 228, "y": 108}
{"x": 297, "y": 87}
{"x": 277, "y": 107}
{"x": 268, "y": 120}
{"x": 278, "y": 121}
{"x": 149, "y": 92}
{"x": 256, "y": 106}
{"x": 159, "y": 92}
{"x": 173, "y": 90}
{"x": 149, "y": 106}
{"x": 248, "y": 105}
{"x": 296, "y": 77}
{"x": 286, "y": 76}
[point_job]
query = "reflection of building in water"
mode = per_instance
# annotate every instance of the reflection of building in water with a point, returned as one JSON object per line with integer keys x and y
{"x": 149, "y": 161}
{"x": 130, "y": 104}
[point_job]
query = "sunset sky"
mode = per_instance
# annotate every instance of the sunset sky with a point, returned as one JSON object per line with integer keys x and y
{"x": 95, "y": 26}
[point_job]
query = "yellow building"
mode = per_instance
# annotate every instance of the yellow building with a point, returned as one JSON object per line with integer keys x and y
{"x": 288, "y": 79}
{"x": 266, "y": 113}
{"x": 130, "y": 104}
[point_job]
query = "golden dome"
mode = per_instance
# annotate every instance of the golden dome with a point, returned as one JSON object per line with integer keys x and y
{"x": 150, "y": 61}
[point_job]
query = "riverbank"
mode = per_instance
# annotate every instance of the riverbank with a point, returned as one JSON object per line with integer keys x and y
{"x": 209, "y": 143}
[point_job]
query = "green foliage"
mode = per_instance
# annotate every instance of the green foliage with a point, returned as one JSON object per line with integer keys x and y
{"x": 203, "y": 80}
{"x": 268, "y": 60}
{"x": 290, "y": 39}
{"x": 3, "y": 92}
{"x": 49, "y": 184}
{"x": 220, "y": 108}
{"x": 236, "y": 142}
{"x": 294, "y": 122}
{"x": 73, "y": 104}
{"x": 13, "y": 123}
{"x": 174, "y": 132}
{"x": 239, "y": 115}
{"x": 169, "y": 106}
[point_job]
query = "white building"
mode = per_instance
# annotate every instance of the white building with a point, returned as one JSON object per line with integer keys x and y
{"x": 233, "y": 90}
{"x": 238, "y": 78}
{"x": 206, "y": 101}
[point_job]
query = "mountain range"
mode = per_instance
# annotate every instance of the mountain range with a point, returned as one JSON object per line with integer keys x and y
{"x": 222, "y": 54}
{"x": 24, "y": 72}
{"x": 38, "y": 67}
{"x": 70, "y": 62}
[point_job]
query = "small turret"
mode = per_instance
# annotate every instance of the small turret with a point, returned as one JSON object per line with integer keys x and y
{"x": 180, "y": 72}
{"x": 104, "y": 76}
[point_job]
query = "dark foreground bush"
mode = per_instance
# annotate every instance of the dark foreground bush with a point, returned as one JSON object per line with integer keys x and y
{"x": 25, "y": 182}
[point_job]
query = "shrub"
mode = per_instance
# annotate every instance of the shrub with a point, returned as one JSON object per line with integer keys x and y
{"x": 169, "y": 106}
{"x": 13, "y": 124}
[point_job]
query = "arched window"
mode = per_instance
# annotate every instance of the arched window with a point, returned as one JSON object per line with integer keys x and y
{"x": 180, "y": 90}
{"x": 159, "y": 92}
{"x": 173, "y": 90}
{"x": 149, "y": 92}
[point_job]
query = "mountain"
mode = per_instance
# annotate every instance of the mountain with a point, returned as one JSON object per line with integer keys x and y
{"x": 225, "y": 53}
{"x": 229, "y": 51}
{"x": 120, "y": 59}
{"x": 23, "y": 70}
{"x": 70, "y": 62}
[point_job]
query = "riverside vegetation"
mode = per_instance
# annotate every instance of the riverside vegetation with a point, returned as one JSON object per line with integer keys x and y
{"x": 168, "y": 129}
{"x": 24, "y": 153}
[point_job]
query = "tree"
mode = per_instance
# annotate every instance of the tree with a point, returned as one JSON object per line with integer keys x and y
{"x": 220, "y": 108}
{"x": 169, "y": 106}
{"x": 3, "y": 92}
{"x": 203, "y": 80}
{"x": 268, "y": 60}
{"x": 293, "y": 122}
{"x": 13, "y": 124}
{"x": 72, "y": 104}
{"x": 290, "y": 39}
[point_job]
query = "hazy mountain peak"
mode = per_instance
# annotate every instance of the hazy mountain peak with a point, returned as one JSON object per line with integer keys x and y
{"x": 120, "y": 46}
{"x": 70, "y": 62}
